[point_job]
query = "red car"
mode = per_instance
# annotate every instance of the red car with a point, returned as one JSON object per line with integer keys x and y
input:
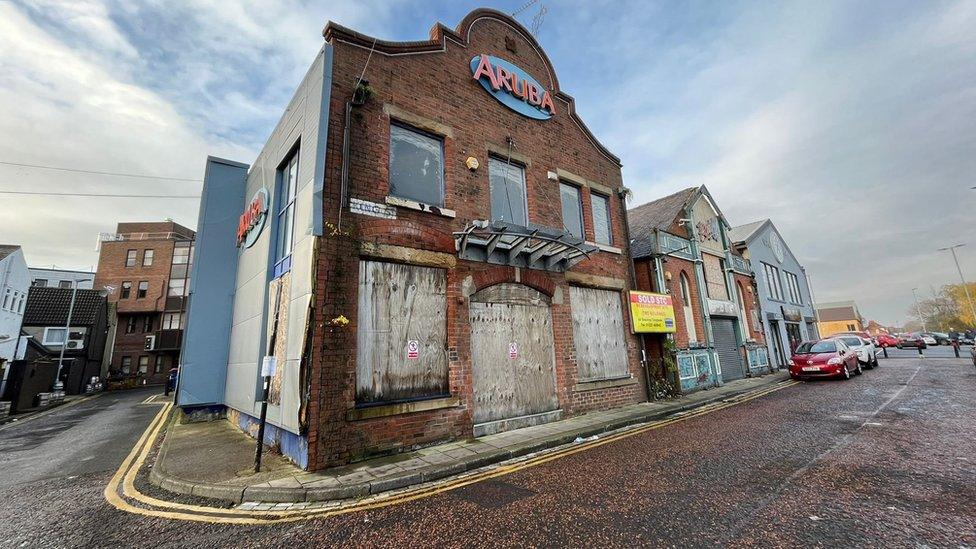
{"x": 824, "y": 358}
{"x": 885, "y": 340}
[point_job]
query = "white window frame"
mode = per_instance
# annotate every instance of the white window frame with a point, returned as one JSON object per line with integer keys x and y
{"x": 48, "y": 341}
{"x": 400, "y": 126}
{"x": 147, "y": 257}
{"x": 579, "y": 208}
{"x": 510, "y": 165}
{"x": 595, "y": 199}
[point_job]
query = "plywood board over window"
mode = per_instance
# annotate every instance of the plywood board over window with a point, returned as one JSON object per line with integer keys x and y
{"x": 598, "y": 333}
{"x": 278, "y": 296}
{"x": 398, "y": 305}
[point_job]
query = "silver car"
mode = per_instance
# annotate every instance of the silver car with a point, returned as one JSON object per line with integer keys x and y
{"x": 865, "y": 349}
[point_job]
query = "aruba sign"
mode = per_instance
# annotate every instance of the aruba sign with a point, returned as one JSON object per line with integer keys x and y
{"x": 512, "y": 87}
{"x": 251, "y": 222}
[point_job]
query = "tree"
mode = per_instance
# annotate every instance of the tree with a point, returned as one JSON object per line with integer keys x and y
{"x": 958, "y": 294}
{"x": 941, "y": 312}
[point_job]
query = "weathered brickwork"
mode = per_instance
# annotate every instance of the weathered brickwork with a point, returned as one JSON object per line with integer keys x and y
{"x": 437, "y": 86}
{"x": 747, "y": 286}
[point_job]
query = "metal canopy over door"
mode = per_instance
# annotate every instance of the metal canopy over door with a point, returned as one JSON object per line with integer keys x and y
{"x": 723, "y": 330}
{"x": 513, "y": 359}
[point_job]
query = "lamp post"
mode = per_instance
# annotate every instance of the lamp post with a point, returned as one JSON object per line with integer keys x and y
{"x": 919, "y": 309}
{"x": 58, "y": 386}
{"x": 962, "y": 279}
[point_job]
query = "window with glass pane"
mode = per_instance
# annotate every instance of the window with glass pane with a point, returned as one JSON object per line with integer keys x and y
{"x": 40, "y": 283}
{"x": 130, "y": 258}
{"x": 126, "y": 364}
{"x": 54, "y": 336}
{"x": 160, "y": 361}
{"x": 126, "y": 290}
{"x": 143, "y": 289}
{"x": 143, "y": 364}
{"x": 416, "y": 165}
{"x": 601, "y": 219}
{"x": 572, "y": 209}
{"x": 181, "y": 255}
{"x": 285, "y": 211}
{"x": 130, "y": 325}
{"x": 176, "y": 287}
{"x": 147, "y": 322}
{"x": 64, "y": 284}
{"x": 172, "y": 321}
{"x": 507, "y": 181}
{"x": 147, "y": 257}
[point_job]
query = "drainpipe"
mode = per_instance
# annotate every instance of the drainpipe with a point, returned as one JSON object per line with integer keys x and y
{"x": 622, "y": 194}
{"x": 344, "y": 183}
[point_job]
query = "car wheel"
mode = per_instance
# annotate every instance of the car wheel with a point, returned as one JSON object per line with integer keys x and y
{"x": 847, "y": 373}
{"x": 899, "y": 345}
{"x": 858, "y": 371}
{"x": 876, "y": 363}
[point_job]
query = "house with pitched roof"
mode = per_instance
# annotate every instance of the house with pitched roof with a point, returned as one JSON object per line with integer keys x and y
{"x": 681, "y": 249}
{"x": 14, "y": 282}
{"x": 785, "y": 296}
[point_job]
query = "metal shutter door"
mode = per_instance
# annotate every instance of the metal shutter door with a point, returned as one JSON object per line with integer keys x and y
{"x": 723, "y": 329}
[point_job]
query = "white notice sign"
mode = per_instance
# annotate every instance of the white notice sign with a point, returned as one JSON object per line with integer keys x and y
{"x": 413, "y": 349}
{"x": 268, "y": 366}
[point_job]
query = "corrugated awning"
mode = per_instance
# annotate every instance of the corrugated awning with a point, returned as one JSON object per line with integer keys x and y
{"x": 532, "y": 247}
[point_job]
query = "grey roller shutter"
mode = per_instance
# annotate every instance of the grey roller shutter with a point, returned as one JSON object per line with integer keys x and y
{"x": 723, "y": 329}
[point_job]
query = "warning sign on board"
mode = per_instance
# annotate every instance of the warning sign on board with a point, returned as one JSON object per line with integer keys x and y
{"x": 513, "y": 350}
{"x": 413, "y": 349}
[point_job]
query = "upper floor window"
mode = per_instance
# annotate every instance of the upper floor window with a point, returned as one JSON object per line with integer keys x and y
{"x": 39, "y": 282}
{"x": 130, "y": 325}
{"x": 416, "y": 165}
{"x": 54, "y": 336}
{"x": 147, "y": 324}
{"x": 143, "y": 289}
{"x": 177, "y": 287}
{"x": 774, "y": 288}
{"x": 6, "y": 299}
{"x": 64, "y": 284}
{"x": 793, "y": 286}
{"x": 507, "y": 182}
{"x": 715, "y": 281}
{"x": 172, "y": 321}
{"x": 572, "y": 209}
{"x": 601, "y": 219}
{"x": 285, "y": 213}
{"x": 147, "y": 257}
{"x": 181, "y": 254}
{"x": 130, "y": 258}
{"x": 126, "y": 290}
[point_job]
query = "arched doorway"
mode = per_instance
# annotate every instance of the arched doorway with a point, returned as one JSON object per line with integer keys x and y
{"x": 513, "y": 360}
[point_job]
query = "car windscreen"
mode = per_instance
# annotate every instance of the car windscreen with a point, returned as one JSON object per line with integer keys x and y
{"x": 810, "y": 347}
{"x": 852, "y": 341}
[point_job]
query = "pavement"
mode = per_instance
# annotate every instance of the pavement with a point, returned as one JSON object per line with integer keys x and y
{"x": 216, "y": 460}
{"x": 886, "y": 459}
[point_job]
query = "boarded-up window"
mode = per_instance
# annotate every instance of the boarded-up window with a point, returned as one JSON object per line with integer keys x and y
{"x": 598, "y": 332}
{"x": 402, "y": 332}
{"x": 715, "y": 277}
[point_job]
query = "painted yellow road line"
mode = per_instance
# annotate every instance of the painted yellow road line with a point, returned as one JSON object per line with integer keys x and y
{"x": 199, "y": 513}
{"x": 49, "y": 411}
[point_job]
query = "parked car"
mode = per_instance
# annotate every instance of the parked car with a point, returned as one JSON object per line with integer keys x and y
{"x": 824, "y": 358}
{"x": 865, "y": 349}
{"x": 929, "y": 338}
{"x": 886, "y": 340}
{"x": 911, "y": 340}
{"x": 941, "y": 338}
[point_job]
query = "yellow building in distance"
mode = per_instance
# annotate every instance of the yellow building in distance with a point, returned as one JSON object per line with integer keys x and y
{"x": 838, "y": 316}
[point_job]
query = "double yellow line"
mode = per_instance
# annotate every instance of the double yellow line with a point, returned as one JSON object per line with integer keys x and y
{"x": 136, "y": 502}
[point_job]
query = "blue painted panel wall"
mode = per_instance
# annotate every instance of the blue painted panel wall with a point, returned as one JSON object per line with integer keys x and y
{"x": 206, "y": 340}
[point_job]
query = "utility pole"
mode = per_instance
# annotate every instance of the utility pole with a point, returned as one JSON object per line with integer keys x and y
{"x": 919, "y": 309}
{"x": 962, "y": 279}
{"x": 67, "y": 332}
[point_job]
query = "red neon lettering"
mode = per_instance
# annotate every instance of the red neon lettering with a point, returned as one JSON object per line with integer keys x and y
{"x": 503, "y": 77}
{"x": 484, "y": 69}
{"x": 547, "y": 103}
{"x": 533, "y": 96}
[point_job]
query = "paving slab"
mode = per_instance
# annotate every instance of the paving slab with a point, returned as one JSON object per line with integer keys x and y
{"x": 214, "y": 459}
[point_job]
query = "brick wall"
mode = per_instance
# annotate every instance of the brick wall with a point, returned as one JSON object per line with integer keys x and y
{"x": 438, "y": 86}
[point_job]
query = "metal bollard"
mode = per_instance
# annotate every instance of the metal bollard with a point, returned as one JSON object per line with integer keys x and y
{"x": 955, "y": 348}
{"x": 920, "y": 355}
{"x": 885, "y": 351}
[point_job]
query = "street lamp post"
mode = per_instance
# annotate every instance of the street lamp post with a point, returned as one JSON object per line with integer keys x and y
{"x": 58, "y": 386}
{"x": 962, "y": 279}
{"x": 919, "y": 309}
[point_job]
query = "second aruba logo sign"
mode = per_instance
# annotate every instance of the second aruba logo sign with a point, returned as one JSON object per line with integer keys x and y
{"x": 512, "y": 87}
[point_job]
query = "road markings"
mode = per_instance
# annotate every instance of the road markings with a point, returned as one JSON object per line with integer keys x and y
{"x": 124, "y": 477}
{"x": 49, "y": 411}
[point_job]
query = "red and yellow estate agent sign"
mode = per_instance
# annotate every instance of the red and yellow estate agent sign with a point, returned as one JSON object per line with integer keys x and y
{"x": 651, "y": 313}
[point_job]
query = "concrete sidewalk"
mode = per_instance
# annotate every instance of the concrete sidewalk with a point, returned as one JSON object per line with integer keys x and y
{"x": 215, "y": 459}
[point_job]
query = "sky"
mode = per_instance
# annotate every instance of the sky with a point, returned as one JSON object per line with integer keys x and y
{"x": 852, "y": 125}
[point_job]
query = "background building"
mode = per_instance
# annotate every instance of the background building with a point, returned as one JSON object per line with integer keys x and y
{"x": 681, "y": 248}
{"x": 145, "y": 267}
{"x": 839, "y": 316}
{"x": 784, "y": 296}
{"x": 45, "y": 321}
{"x": 61, "y": 278}
{"x": 14, "y": 283}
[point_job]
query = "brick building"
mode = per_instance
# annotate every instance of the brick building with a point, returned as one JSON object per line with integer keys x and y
{"x": 681, "y": 248}
{"x": 436, "y": 251}
{"x": 145, "y": 266}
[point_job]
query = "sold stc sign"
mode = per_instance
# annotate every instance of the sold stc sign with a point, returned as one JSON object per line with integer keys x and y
{"x": 651, "y": 313}
{"x": 251, "y": 222}
{"x": 513, "y": 87}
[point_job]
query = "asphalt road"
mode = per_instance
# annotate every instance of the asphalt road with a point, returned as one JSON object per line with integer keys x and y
{"x": 939, "y": 351}
{"x": 886, "y": 459}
